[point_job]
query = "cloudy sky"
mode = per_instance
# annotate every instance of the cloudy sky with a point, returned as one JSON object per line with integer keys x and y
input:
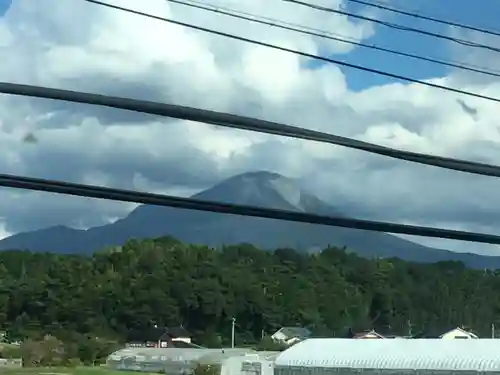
{"x": 75, "y": 45}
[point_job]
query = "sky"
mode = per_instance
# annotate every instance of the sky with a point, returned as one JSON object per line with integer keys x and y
{"x": 105, "y": 51}
{"x": 480, "y": 14}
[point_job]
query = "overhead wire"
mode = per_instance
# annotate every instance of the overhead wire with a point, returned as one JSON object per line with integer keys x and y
{"x": 392, "y": 25}
{"x": 91, "y": 191}
{"x": 240, "y": 122}
{"x": 379, "y": 5}
{"x": 327, "y": 35}
{"x": 296, "y": 52}
{"x": 245, "y": 123}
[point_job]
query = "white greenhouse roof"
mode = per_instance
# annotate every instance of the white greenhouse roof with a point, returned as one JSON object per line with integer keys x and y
{"x": 172, "y": 354}
{"x": 411, "y": 354}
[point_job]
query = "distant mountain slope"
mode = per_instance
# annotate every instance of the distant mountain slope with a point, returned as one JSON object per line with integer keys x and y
{"x": 257, "y": 188}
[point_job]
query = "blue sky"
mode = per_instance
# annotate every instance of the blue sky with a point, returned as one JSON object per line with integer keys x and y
{"x": 380, "y": 122}
{"x": 4, "y": 5}
{"x": 480, "y": 14}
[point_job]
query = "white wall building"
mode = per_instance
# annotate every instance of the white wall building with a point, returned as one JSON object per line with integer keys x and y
{"x": 249, "y": 364}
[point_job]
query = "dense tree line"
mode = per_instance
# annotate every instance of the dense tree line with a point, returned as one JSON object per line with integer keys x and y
{"x": 165, "y": 282}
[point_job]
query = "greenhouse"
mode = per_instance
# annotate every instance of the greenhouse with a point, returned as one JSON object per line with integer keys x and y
{"x": 388, "y": 356}
{"x": 172, "y": 361}
{"x": 219, "y": 357}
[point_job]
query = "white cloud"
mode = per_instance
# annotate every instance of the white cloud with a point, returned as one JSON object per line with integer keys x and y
{"x": 3, "y": 231}
{"x": 80, "y": 46}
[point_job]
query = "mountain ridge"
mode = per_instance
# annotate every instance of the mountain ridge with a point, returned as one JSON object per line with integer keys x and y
{"x": 259, "y": 188}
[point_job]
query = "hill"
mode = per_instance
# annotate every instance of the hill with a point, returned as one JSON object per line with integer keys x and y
{"x": 165, "y": 282}
{"x": 263, "y": 189}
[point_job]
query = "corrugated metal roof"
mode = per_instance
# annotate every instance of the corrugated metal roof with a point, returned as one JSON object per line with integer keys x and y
{"x": 412, "y": 354}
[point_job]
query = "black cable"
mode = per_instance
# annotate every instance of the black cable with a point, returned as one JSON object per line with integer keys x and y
{"x": 394, "y": 25}
{"x": 90, "y": 191}
{"x": 245, "y": 123}
{"x": 304, "y": 54}
{"x": 424, "y": 17}
{"x": 323, "y": 34}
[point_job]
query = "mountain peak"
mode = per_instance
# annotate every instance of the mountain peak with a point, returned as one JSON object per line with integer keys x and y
{"x": 260, "y": 188}
{"x": 259, "y": 175}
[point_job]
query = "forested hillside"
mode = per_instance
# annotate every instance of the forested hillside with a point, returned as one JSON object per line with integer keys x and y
{"x": 166, "y": 282}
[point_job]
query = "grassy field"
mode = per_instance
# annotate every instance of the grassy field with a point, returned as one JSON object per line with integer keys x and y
{"x": 60, "y": 371}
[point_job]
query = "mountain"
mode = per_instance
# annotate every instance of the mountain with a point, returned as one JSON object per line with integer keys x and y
{"x": 263, "y": 189}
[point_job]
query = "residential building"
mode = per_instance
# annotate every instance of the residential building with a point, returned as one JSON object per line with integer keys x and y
{"x": 159, "y": 338}
{"x": 372, "y": 334}
{"x": 451, "y": 333}
{"x": 291, "y": 335}
{"x": 458, "y": 333}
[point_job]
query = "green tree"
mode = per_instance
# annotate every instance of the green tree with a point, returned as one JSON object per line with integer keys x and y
{"x": 90, "y": 303}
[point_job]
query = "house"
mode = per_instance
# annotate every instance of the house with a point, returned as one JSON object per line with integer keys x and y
{"x": 458, "y": 333}
{"x": 291, "y": 335}
{"x": 159, "y": 338}
{"x": 451, "y": 333}
{"x": 372, "y": 334}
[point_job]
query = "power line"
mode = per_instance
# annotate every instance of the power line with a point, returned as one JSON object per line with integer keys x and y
{"x": 394, "y": 25}
{"x": 245, "y": 123}
{"x": 323, "y": 34}
{"x": 300, "y": 53}
{"x": 379, "y": 5}
{"x": 90, "y": 191}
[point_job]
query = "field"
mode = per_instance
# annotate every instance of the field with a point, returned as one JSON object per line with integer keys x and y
{"x": 60, "y": 371}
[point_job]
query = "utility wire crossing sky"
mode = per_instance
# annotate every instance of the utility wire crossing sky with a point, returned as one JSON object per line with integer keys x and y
{"x": 253, "y": 124}
{"x": 304, "y": 54}
{"x": 272, "y": 22}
